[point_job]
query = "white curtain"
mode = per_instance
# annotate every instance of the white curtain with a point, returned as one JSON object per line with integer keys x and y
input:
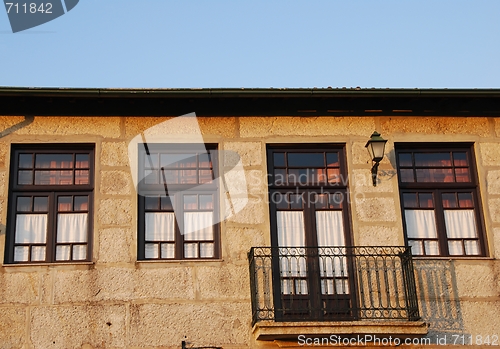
{"x": 72, "y": 227}
{"x": 461, "y": 224}
{"x": 31, "y": 228}
{"x": 160, "y": 226}
{"x": 330, "y": 232}
{"x": 198, "y": 226}
{"x": 291, "y": 234}
{"x": 421, "y": 224}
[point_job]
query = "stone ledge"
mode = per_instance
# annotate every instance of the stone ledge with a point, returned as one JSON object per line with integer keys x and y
{"x": 270, "y": 330}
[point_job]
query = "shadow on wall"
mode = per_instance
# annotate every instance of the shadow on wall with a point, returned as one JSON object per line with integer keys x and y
{"x": 28, "y": 119}
{"x": 438, "y": 299}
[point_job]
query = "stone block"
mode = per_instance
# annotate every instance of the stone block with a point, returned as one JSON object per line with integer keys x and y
{"x": 116, "y": 182}
{"x": 493, "y": 182}
{"x": 116, "y": 245}
{"x": 59, "y": 126}
{"x": 62, "y": 327}
{"x": 223, "y": 282}
{"x": 250, "y": 153}
{"x": 220, "y": 126}
{"x": 115, "y": 284}
{"x": 306, "y": 126}
{"x": 494, "y": 208}
{"x": 203, "y": 324}
{"x": 115, "y": 212}
{"x": 375, "y": 209}
{"x": 252, "y": 213}
{"x": 379, "y": 235}
{"x": 19, "y": 288}
{"x": 476, "y": 280}
{"x": 114, "y": 154}
{"x": 12, "y": 327}
{"x": 4, "y": 151}
{"x": 436, "y": 125}
{"x": 165, "y": 283}
{"x": 494, "y": 242}
{"x": 359, "y": 154}
{"x": 238, "y": 242}
{"x": 490, "y": 154}
{"x": 362, "y": 181}
{"x": 481, "y": 318}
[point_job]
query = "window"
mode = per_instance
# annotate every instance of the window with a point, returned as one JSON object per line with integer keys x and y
{"x": 50, "y": 203}
{"x": 310, "y": 228}
{"x": 440, "y": 200}
{"x": 178, "y": 202}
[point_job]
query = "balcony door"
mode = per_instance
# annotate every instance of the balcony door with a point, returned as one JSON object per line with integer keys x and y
{"x": 312, "y": 274}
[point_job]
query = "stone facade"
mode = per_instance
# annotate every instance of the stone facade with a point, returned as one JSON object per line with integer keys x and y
{"x": 118, "y": 302}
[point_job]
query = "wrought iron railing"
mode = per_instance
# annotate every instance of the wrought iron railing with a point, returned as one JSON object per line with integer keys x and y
{"x": 332, "y": 283}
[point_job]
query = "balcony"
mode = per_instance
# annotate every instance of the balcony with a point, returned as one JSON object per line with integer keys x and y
{"x": 342, "y": 290}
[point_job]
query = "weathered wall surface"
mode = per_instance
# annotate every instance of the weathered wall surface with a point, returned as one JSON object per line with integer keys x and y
{"x": 117, "y": 302}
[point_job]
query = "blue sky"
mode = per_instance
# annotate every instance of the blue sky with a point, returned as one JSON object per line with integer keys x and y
{"x": 272, "y": 43}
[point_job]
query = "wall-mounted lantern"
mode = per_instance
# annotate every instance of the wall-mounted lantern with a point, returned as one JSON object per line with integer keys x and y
{"x": 376, "y": 148}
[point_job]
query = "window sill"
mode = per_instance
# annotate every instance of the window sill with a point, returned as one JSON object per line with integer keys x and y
{"x": 449, "y": 258}
{"x": 70, "y": 265}
{"x": 270, "y": 330}
{"x": 183, "y": 262}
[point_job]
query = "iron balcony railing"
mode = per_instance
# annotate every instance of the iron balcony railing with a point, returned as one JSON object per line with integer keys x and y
{"x": 332, "y": 283}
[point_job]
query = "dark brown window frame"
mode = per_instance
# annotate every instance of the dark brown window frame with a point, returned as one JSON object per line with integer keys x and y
{"x": 52, "y": 192}
{"x": 439, "y": 188}
{"x": 174, "y": 189}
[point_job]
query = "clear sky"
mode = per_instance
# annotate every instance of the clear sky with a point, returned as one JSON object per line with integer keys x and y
{"x": 259, "y": 43}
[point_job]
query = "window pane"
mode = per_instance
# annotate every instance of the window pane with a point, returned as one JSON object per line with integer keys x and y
{"x": 81, "y": 203}
{"x": 432, "y": 159}
{"x": 455, "y": 248}
{"x": 25, "y": 160}
{"x": 280, "y": 200}
{"x": 31, "y": 228}
{"x": 191, "y": 250}
{"x": 426, "y": 200}
{"x": 64, "y": 203}
{"x": 178, "y": 160}
{"x": 25, "y": 177}
{"x": 290, "y": 228}
{"x": 460, "y": 159}
{"x": 321, "y": 201}
{"x": 54, "y": 177}
{"x": 416, "y": 247}
{"x": 336, "y": 200}
{"x": 206, "y": 250}
{"x": 72, "y": 227}
{"x": 450, "y": 200}
{"x": 82, "y": 177}
{"x": 332, "y": 159}
{"x": 410, "y": 200}
{"x": 279, "y": 159}
{"x": 151, "y": 177}
{"x": 79, "y": 252}
{"x": 82, "y": 161}
{"x": 166, "y": 203}
{"x": 21, "y": 253}
{"x": 167, "y": 251}
{"x": 41, "y": 204}
{"x": 38, "y": 253}
{"x": 296, "y": 201}
{"x": 160, "y": 226}
{"x": 420, "y": 224}
{"x": 460, "y": 224}
{"x": 169, "y": 177}
{"x": 63, "y": 252}
{"x": 298, "y": 176}
{"x": 24, "y": 204}
{"x": 435, "y": 175}
{"x": 198, "y": 226}
{"x": 306, "y": 160}
{"x": 151, "y": 202}
{"x": 188, "y": 177}
{"x": 206, "y": 202}
{"x": 151, "y": 250}
{"x": 405, "y": 160}
{"x": 206, "y": 176}
{"x": 54, "y": 161}
{"x": 280, "y": 177}
{"x": 334, "y": 175}
{"x": 190, "y": 202}
{"x": 465, "y": 200}
{"x": 406, "y": 175}
{"x": 431, "y": 248}
{"x": 462, "y": 175}
{"x": 471, "y": 247}
{"x": 204, "y": 160}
